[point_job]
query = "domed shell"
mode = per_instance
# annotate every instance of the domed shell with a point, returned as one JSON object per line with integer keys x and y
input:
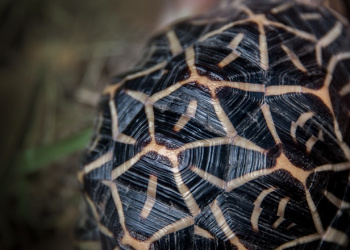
{"x": 232, "y": 133}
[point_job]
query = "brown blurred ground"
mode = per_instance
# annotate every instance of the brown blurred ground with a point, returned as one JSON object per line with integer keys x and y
{"x": 55, "y": 57}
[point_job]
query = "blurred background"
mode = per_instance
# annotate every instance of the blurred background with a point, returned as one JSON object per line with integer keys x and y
{"x": 55, "y": 58}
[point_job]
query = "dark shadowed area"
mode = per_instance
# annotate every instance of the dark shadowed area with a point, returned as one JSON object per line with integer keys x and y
{"x": 55, "y": 58}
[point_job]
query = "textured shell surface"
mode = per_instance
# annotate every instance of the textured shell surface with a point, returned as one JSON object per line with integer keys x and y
{"x": 232, "y": 133}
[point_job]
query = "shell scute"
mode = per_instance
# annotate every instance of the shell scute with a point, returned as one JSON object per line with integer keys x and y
{"x": 233, "y": 134}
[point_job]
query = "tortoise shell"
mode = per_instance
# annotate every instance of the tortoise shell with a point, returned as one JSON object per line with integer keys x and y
{"x": 232, "y": 133}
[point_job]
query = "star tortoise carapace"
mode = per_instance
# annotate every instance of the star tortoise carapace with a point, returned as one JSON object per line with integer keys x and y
{"x": 232, "y": 133}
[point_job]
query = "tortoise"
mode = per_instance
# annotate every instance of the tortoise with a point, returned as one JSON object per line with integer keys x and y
{"x": 231, "y": 133}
